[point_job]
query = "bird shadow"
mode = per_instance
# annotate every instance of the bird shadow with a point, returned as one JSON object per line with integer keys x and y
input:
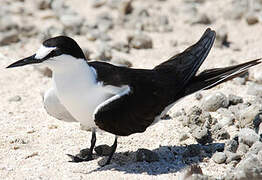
{"x": 169, "y": 159}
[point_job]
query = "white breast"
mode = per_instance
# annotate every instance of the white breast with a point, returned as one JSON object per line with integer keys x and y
{"x": 75, "y": 85}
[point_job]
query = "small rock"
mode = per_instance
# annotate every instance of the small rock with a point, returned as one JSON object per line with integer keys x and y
{"x": 235, "y": 109}
{"x": 198, "y": 96}
{"x": 218, "y": 132}
{"x": 231, "y": 145}
{"x": 232, "y": 156}
{"x": 97, "y": 3}
{"x": 257, "y": 75}
{"x": 255, "y": 90}
{"x": 32, "y": 155}
{"x": 234, "y": 100}
{"x": 256, "y": 147}
{"x": 125, "y": 7}
{"x": 251, "y": 167}
{"x": 183, "y": 137}
{"x": 146, "y": 155}
{"x": 201, "y": 19}
{"x": 7, "y": 23}
{"x": 44, "y": 4}
{"x": 202, "y": 135}
{"x": 215, "y": 101}
{"x": 103, "y": 150}
{"x": 72, "y": 22}
{"x": 222, "y": 38}
{"x": 219, "y": 157}
{"x": 247, "y": 115}
{"x": 121, "y": 62}
{"x": 45, "y": 71}
{"x": 227, "y": 117}
{"x": 252, "y": 19}
{"x": 239, "y": 81}
{"x": 50, "y": 32}
{"x": 9, "y": 37}
{"x": 104, "y": 52}
{"x": 242, "y": 148}
{"x": 15, "y": 99}
{"x": 248, "y": 136}
{"x": 121, "y": 46}
{"x": 140, "y": 41}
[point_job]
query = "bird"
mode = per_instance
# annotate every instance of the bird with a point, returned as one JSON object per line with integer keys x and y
{"x": 117, "y": 99}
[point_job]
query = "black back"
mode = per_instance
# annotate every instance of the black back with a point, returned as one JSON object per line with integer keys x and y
{"x": 64, "y": 45}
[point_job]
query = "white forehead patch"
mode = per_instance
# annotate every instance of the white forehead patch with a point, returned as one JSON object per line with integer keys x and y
{"x": 43, "y": 51}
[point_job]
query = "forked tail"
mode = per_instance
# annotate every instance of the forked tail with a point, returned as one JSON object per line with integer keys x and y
{"x": 212, "y": 77}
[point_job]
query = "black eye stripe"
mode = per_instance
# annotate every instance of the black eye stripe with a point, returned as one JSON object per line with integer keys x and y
{"x": 53, "y": 53}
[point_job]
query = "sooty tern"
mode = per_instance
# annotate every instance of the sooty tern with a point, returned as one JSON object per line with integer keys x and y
{"x": 122, "y": 100}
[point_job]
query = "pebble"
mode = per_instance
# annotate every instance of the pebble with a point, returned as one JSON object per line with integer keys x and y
{"x": 140, "y": 41}
{"x": 249, "y": 168}
{"x": 15, "y": 99}
{"x": 121, "y": 46}
{"x": 125, "y": 7}
{"x": 215, "y": 101}
{"x": 121, "y": 62}
{"x": 227, "y": 117}
{"x": 255, "y": 90}
{"x": 239, "y": 81}
{"x": 146, "y": 155}
{"x": 183, "y": 137}
{"x": 242, "y": 148}
{"x": 72, "y": 22}
{"x": 45, "y": 71}
{"x": 104, "y": 52}
{"x": 248, "y": 136}
{"x": 97, "y": 3}
{"x": 44, "y": 4}
{"x": 231, "y": 145}
{"x": 219, "y": 157}
{"x": 7, "y": 38}
{"x": 198, "y": 96}
{"x": 232, "y": 156}
{"x": 257, "y": 75}
{"x": 256, "y": 147}
{"x": 252, "y": 19}
{"x": 247, "y": 115}
{"x": 50, "y": 32}
{"x": 201, "y": 19}
{"x": 237, "y": 9}
{"x": 234, "y": 100}
{"x": 202, "y": 135}
{"x": 219, "y": 133}
{"x": 222, "y": 37}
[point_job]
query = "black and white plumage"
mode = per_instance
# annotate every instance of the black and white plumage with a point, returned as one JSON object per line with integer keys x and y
{"x": 122, "y": 100}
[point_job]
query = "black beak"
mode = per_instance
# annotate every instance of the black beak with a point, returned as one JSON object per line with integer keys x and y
{"x": 25, "y": 61}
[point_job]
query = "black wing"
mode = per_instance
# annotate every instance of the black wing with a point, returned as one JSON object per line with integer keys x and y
{"x": 133, "y": 109}
{"x": 184, "y": 66}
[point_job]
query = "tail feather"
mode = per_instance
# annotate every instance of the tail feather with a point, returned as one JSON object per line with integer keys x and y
{"x": 212, "y": 77}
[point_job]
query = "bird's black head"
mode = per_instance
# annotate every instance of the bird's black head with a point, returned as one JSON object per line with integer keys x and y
{"x": 51, "y": 49}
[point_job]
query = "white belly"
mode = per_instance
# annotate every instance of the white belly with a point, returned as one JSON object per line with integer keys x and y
{"x": 81, "y": 102}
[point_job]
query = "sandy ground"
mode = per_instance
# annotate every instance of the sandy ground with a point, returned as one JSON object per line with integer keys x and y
{"x": 34, "y": 145}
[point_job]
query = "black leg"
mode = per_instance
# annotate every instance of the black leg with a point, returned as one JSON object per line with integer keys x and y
{"x": 113, "y": 150}
{"x": 85, "y": 154}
